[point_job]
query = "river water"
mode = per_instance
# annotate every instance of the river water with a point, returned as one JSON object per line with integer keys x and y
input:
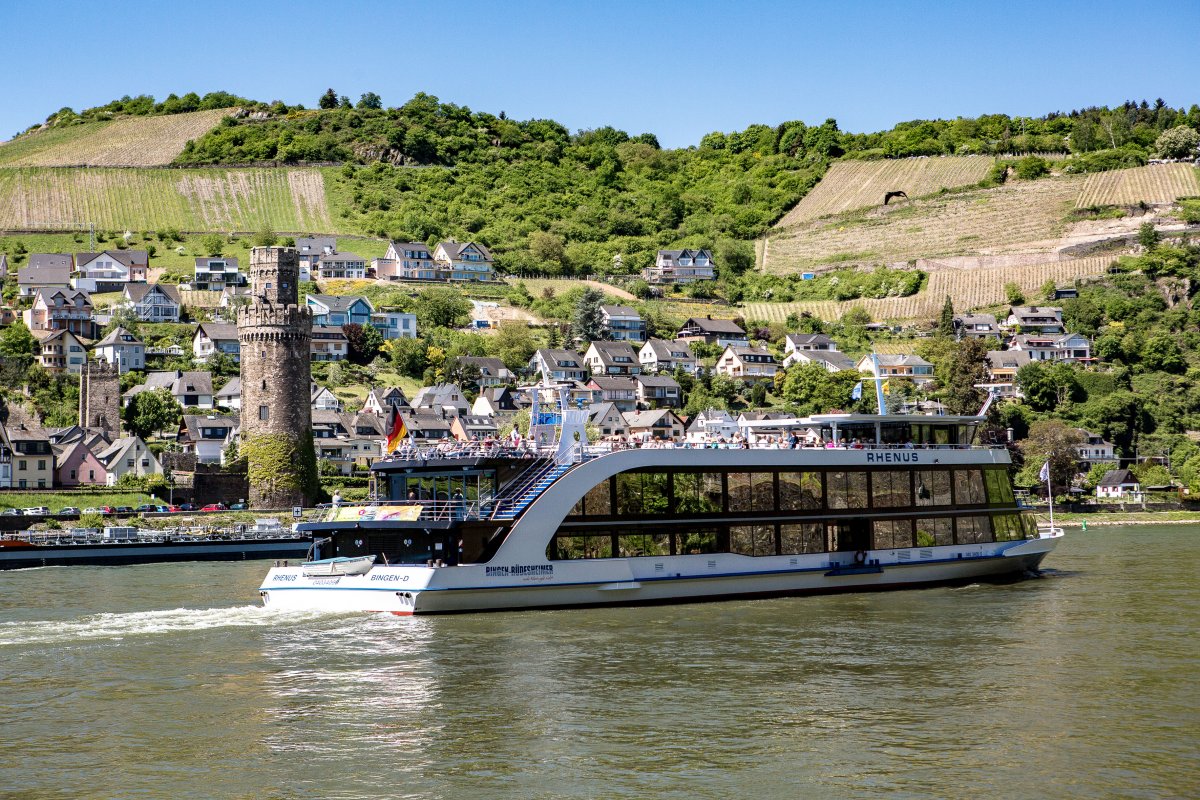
{"x": 168, "y": 681}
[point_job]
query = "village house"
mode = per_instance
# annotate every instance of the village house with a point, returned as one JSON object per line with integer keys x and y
{"x": 1118, "y": 483}
{"x": 463, "y": 261}
{"x": 337, "y": 311}
{"x": 1002, "y": 370}
{"x": 75, "y": 464}
{"x": 623, "y": 324}
{"x": 383, "y": 400}
{"x": 123, "y": 349}
{"x": 341, "y": 266}
{"x": 407, "y": 261}
{"x": 60, "y": 351}
{"x": 660, "y": 355}
{"x": 32, "y": 455}
{"x": 658, "y": 391}
{"x": 1094, "y": 450}
{"x": 612, "y": 358}
{"x": 660, "y": 424}
{"x": 899, "y": 365}
{"x": 1052, "y": 347}
{"x": 214, "y": 337}
{"x": 128, "y": 456}
{"x": 976, "y": 326}
{"x": 559, "y": 365}
{"x": 723, "y": 332}
{"x": 329, "y": 343}
{"x": 229, "y": 396}
{"x": 747, "y": 363}
{"x": 153, "y": 302}
{"x": 62, "y": 310}
{"x": 309, "y": 250}
{"x": 395, "y": 324}
{"x": 206, "y": 436}
{"x": 443, "y": 398}
{"x": 831, "y": 360}
{"x": 621, "y": 391}
{"x": 607, "y": 419}
{"x": 680, "y": 266}
{"x": 711, "y": 425}
{"x": 1035, "y": 319}
{"x": 492, "y": 371}
{"x": 44, "y": 271}
{"x": 190, "y": 389}
{"x": 495, "y": 401}
{"x": 808, "y": 342}
{"x": 214, "y": 274}
{"x": 426, "y": 426}
{"x": 321, "y": 399}
{"x": 473, "y": 428}
{"x": 109, "y": 271}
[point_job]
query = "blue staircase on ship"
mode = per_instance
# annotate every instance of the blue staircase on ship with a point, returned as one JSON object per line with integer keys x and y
{"x": 510, "y": 508}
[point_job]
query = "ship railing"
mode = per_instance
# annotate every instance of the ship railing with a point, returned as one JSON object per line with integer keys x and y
{"x": 436, "y": 510}
{"x": 604, "y": 448}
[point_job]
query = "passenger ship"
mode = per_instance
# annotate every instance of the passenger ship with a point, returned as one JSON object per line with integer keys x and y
{"x": 871, "y": 503}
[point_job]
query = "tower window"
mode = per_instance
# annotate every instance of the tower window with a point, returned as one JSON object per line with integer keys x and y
{"x": 264, "y": 412}
{"x": 264, "y": 385}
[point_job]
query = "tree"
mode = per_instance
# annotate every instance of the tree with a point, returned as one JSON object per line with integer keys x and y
{"x": 328, "y": 100}
{"x": 363, "y": 343}
{"x": 547, "y": 248}
{"x": 1180, "y": 142}
{"x": 18, "y": 343}
{"x": 514, "y": 344}
{"x": 408, "y": 356}
{"x": 946, "y": 320}
{"x": 1014, "y": 294}
{"x": 442, "y": 307}
{"x": 1054, "y": 441}
{"x": 265, "y": 237}
{"x": 968, "y": 368}
{"x": 152, "y": 412}
{"x": 370, "y": 100}
{"x": 1161, "y": 352}
{"x": 1148, "y": 236}
{"x": 222, "y": 365}
{"x": 212, "y": 244}
{"x": 587, "y": 323}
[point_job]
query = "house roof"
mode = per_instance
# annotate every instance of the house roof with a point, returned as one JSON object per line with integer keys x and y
{"x": 488, "y": 367}
{"x": 129, "y": 258}
{"x": 558, "y": 358}
{"x": 328, "y": 332}
{"x": 417, "y": 421}
{"x": 1118, "y": 477}
{"x": 976, "y": 319}
{"x": 714, "y": 326}
{"x": 47, "y": 268}
{"x": 665, "y": 381}
{"x": 440, "y": 394}
{"x": 810, "y": 339}
{"x": 454, "y": 249}
{"x": 686, "y": 253}
{"x": 598, "y": 411}
{"x": 402, "y": 246}
{"x": 136, "y": 291}
{"x": 335, "y": 302}
{"x": 192, "y": 383}
{"x": 646, "y": 419}
{"x": 218, "y": 331}
{"x": 192, "y": 423}
{"x": 739, "y": 350}
{"x": 619, "y": 311}
{"x": 1007, "y": 359}
{"x": 333, "y": 258}
{"x": 830, "y": 358}
{"x": 69, "y": 294}
{"x": 119, "y": 336}
{"x": 206, "y": 260}
{"x": 614, "y": 382}
{"x": 664, "y": 349}
{"x": 315, "y": 244}
{"x": 117, "y": 450}
{"x": 608, "y": 352}
{"x": 898, "y": 360}
{"x": 231, "y": 389}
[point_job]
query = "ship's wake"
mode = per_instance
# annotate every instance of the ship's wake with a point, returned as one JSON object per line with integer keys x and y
{"x": 143, "y": 623}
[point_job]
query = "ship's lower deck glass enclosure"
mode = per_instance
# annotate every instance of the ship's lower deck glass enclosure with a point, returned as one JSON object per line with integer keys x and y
{"x": 789, "y": 512}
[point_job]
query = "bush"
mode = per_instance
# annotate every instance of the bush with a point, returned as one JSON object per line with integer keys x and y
{"x": 1032, "y": 167}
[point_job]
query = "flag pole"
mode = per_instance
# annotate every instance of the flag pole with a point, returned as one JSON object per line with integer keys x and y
{"x": 1050, "y": 498}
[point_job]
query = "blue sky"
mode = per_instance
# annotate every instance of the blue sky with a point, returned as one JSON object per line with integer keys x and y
{"x": 679, "y": 70}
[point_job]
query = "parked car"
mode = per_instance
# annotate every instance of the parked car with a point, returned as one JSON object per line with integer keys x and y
{"x": 239, "y": 507}
{"x": 99, "y": 510}
{"x": 10, "y": 512}
{"x": 215, "y": 507}
{"x": 123, "y": 510}
{"x": 37, "y": 511}
{"x": 187, "y": 507}
{"x": 69, "y": 511}
{"x": 151, "y": 508}
{"x": 174, "y": 509}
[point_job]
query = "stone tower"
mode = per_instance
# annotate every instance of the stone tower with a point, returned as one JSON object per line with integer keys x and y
{"x": 275, "y": 333}
{"x": 100, "y": 398}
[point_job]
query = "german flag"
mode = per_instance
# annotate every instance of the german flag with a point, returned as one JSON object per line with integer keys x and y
{"x": 396, "y": 431}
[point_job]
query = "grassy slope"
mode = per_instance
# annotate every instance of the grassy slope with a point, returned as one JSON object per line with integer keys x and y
{"x": 134, "y": 141}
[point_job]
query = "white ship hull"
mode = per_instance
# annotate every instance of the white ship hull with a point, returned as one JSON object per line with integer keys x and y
{"x": 410, "y": 590}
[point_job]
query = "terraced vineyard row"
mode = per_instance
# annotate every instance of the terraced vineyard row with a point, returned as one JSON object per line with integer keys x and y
{"x": 191, "y": 200}
{"x": 131, "y": 142}
{"x": 1003, "y": 219}
{"x": 968, "y": 288}
{"x": 850, "y": 185}
{"x": 1154, "y": 184}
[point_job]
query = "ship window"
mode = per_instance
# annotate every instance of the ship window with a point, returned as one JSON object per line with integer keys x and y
{"x": 700, "y": 540}
{"x": 892, "y": 533}
{"x": 751, "y": 491}
{"x": 891, "y": 489}
{"x": 752, "y": 540}
{"x": 808, "y": 537}
{"x": 644, "y": 544}
{"x": 596, "y": 503}
{"x": 933, "y": 488}
{"x": 1008, "y": 527}
{"x": 934, "y": 531}
{"x": 800, "y": 491}
{"x": 999, "y": 490}
{"x": 642, "y": 493}
{"x": 571, "y": 547}
{"x": 968, "y": 487}
{"x": 973, "y": 529}
{"x": 846, "y": 489}
{"x": 698, "y": 493}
